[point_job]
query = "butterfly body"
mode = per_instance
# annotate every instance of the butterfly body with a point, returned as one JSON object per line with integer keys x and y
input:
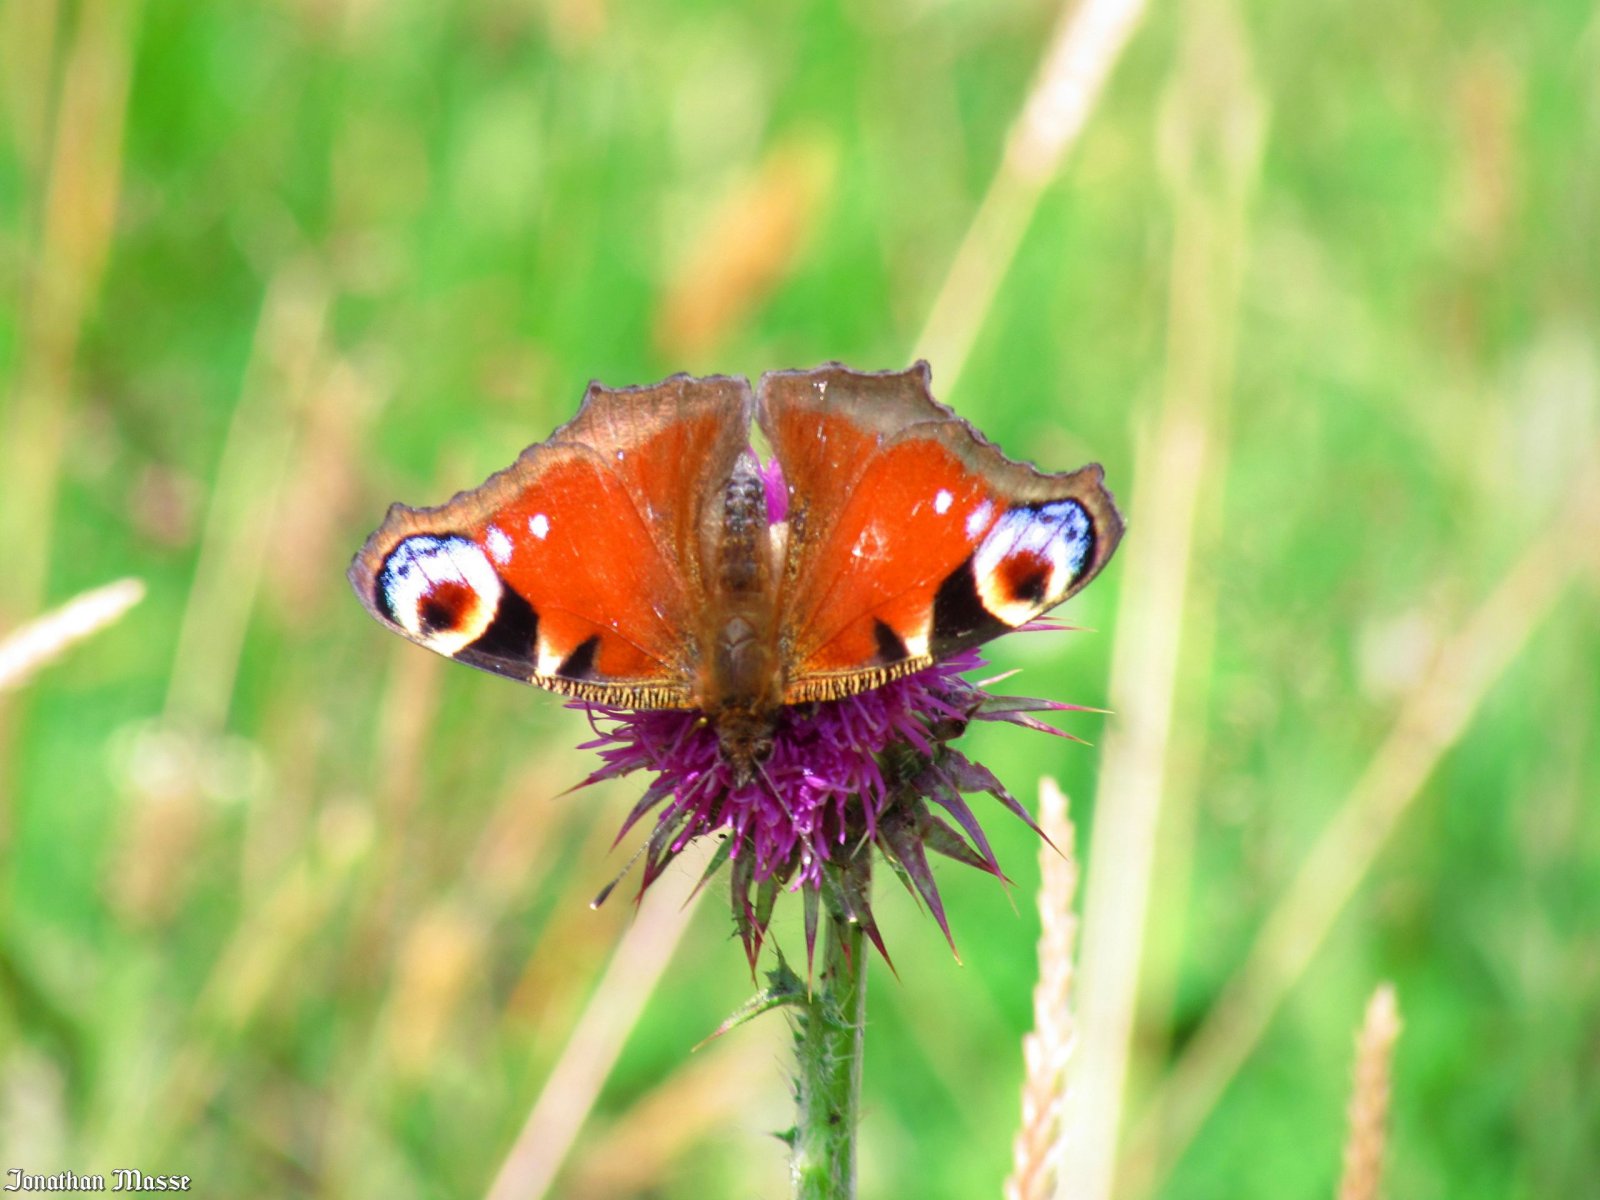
{"x": 741, "y": 680}
{"x": 641, "y": 558}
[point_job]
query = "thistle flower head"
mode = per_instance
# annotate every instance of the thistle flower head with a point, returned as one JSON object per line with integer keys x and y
{"x": 874, "y": 769}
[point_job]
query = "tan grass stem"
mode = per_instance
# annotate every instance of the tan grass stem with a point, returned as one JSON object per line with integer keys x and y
{"x": 1369, "y": 1098}
{"x": 244, "y": 498}
{"x": 1212, "y": 132}
{"x": 753, "y": 238}
{"x": 1431, "y": 720}
{"x": 536, "y": 1157}
{"x": 24, "y": 651}
{"x": 147, "y": 879}
{"x": 1047, "y": 1050}
{"x": 65, "y": 267}
{"x": 1089, "y": 39}
{"x": 709, "y": 1097}
{"x": 77, "y": 226}
{"x": 28, "y": 36}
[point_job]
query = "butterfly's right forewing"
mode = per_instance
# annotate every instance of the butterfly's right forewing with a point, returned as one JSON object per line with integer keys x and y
{"x": 579, "y": 567}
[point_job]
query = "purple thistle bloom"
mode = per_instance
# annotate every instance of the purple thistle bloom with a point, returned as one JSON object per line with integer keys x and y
{"x": 871, "y": 767}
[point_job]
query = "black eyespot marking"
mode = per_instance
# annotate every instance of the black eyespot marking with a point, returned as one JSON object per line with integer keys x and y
{"x": 580, "y": 663}
{"x": 445, "y": 607}
{"x": 1025, "y": 576}
{"x": 960, "y": 617}
{"x": 511, "y": 641}
{"x": 891, "y": 646}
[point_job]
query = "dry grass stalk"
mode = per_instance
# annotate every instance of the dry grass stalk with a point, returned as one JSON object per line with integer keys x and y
{"x": 406, "y": 727}
{"x": 436, "y": 966}
{"x": 322, "y": 493}
{"x": 749, "y": 245}
{"x": 1048, "y": 1049}
{"x": 534, "y": 1160}
{"x": 66, "y": 266}
{"x": 1369, "y": 1097}
{"x": 1212, "y": 130}
{"x": 1431, "y": 720}
{"x": 444, "y": 950}
{"x": 1088, "y": 41}
{"x": 25, "y": 650}
{"x": 76, "y": 214}
{"x": 28, "y": 34}
{"x": 148, "y": 879}
{"x": 712, "y": 1095}
{"x": 286, "y": 360}
{"x": 572, "y": 949}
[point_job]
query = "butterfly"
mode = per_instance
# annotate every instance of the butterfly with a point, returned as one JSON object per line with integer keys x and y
{"x": 641, "y": 556}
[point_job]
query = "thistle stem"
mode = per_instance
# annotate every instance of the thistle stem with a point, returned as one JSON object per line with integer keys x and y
{"x": 830, "y": 1036}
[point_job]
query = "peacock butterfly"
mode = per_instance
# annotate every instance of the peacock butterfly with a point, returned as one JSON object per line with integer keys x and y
{"x": 638, "y": 557}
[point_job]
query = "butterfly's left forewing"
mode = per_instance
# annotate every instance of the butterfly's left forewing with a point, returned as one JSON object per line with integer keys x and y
{"x": 577, "y": 568}
{"x": 910, "y": 537}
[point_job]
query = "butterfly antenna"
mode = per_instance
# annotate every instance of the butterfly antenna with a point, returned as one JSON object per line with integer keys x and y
{"x": 761, "y": 773}
{"x": 605, "y": 892}
{"x": 866, "y": 839}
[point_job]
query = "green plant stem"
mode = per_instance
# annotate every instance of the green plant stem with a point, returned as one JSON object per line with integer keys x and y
{"x": 830, "y": 1037}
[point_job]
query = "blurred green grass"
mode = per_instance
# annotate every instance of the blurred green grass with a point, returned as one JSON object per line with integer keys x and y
{"x": 308, "y": 919}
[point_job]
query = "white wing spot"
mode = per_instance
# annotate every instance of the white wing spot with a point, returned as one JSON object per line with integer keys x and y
{"x": 978, "y": 520}
{"x": 539, "y": 526}
{"x": 943, "y": 501}
{"x": 499, "y": 545}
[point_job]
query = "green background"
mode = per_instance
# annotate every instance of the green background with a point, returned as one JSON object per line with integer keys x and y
{"x": 295, "y": 909}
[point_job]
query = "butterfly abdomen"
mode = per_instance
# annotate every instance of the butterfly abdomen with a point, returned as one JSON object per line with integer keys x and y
{"x": 741, "y": 537}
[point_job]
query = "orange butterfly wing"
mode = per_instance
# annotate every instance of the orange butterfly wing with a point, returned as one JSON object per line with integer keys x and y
{"x": 578, "y": 567}
{"x": 910, "y": 536}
